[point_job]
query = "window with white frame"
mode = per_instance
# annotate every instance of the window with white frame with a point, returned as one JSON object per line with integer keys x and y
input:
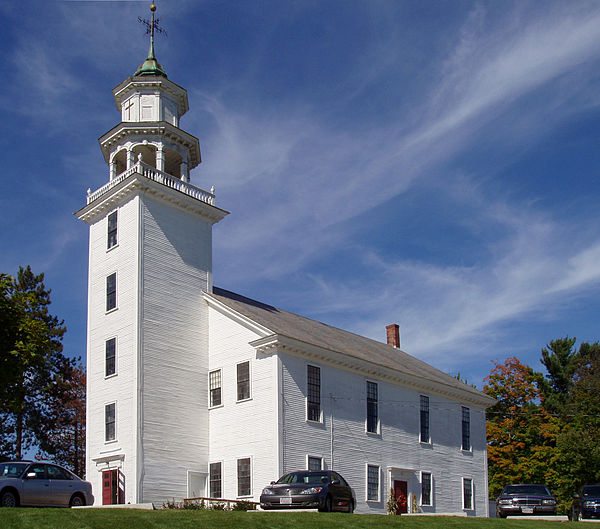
{"x": 110, "y": 364}
{"x": 110, "y": 422}
{"x": 215, "y": 482}
{"x": 424, "y": 419}
{"x": 243, "y": 381}
{"x": 243, "y": 476}
{"x": 111, "y": 292}
{"x": 315, "y": 463}
{"x": 467, "y": 493}
{"x": 426, "y": 489}
{"x": 466, "y": 428}
{"x": 214, "y": 382}
{"x": 372, "y": 407}
{"x": 372, "y": 483}
{"x": 313, "y": 393}
{"x": 112, "y": 230}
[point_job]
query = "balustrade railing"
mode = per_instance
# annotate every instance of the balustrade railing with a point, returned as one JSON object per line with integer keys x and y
{"x": 157, "y": 176}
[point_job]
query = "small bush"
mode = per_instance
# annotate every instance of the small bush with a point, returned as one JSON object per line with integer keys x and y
{"x": 243, "y": 506}
{"x": 172, "y": 504}
{"x": 195, "y": 505}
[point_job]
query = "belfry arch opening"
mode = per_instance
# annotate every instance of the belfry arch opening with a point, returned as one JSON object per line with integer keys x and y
{"x": 173, "y": 163}
{"x": 148, "y": 153}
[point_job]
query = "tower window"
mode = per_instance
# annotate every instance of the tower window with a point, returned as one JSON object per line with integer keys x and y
{"x": 424, "y": 419}
{"x": 372, "y": 483}
{"x": 111, "y": 357}
{"x": 372, "y": 412}
{"x": 110, "y": 422}
{"x": 215, "y": 387}
{"x": 112, "y": 230}
{"x": 215, "y": 480}
{"x": 313, "y": 397}
{"x": 243, "y": 470}
{"x": 467, "y": 494}
{"x": 425, "y": 488}
{"x": 243, "y": 381}
{"x": 466, "y": 429}
{"x": 111, "y": 292}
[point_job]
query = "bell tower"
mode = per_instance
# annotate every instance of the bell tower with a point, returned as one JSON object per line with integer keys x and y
{"x": 150, "y": 260}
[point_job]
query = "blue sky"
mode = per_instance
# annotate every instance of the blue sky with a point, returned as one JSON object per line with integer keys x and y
{"x": 430, "y": 163}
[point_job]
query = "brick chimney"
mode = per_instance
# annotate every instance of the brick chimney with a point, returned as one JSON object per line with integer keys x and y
{"x": 393, "y": 335}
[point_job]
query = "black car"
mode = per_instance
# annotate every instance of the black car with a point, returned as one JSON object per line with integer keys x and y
{"x": 516, "y": 500}
{"x": 324, "y": 490}
{"x": 590, "y": 502}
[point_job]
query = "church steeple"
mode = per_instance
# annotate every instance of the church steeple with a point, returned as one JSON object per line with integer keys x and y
{"x": 151, "y": 66}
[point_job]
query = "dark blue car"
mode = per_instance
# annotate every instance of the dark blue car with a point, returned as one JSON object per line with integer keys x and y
{"x": 590, "y": 502}
{"x": 324, "y": 490}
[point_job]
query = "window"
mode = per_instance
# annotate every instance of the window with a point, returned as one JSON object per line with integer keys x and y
{"x": 424, "y": 419}
{"x": 243, "y": 381}
{"x": 315, "y": 463}
{"x": 313, "y": 399}
{"x": 425, "y": 488}
{"x": 215, "y": 483}
{"x": 243, "y": 472}
{"x": 467, "y": 493}
{"x": 215, "y": 387}
{"x": 466, "y": 429}
{"x": 111, "y": 292}
{"x": 111, "y": 357}
{"x": 112, "y": 230}
{"x": 58, "y": 473}
{"x": 110, "y": 422}
{"x": 372, "y": 418}
{"x": 372, "y": 483}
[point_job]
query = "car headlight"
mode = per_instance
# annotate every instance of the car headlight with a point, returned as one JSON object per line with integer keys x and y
{"x": 268, "y": 491}
{"x": 548, "y": 502}
{"x": 504, "y": 502}
{"x": 312, "y": 490}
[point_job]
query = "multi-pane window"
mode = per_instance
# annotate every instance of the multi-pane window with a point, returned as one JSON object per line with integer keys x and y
{"x": 467, "y": 493}
{"x": 425, "y": 488}
{"x": 110, "y": 422}
{"x": 243, "y": 381}
{"x": 111, "y": 357}
{"x": 315, "y": 463}
{"x": 215, "y": 480}
{"x": 214, "y": 381}
{"x": 424, "y": 419}
{"x": 112, "y": 230}
{"x": 466, "y": 429}
{"x": 313, "y": 393}
{"x": 372, "y": 483}
{"x": 372, "y": 412}
{"x": 243, "y": 473}
{"x": 111, "y": 291}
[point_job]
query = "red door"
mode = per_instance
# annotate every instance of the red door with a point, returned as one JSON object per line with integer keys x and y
{"x": 401, "y": 494}
{"x": 113, "y": 487}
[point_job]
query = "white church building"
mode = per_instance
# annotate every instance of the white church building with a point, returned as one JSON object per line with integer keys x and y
{"x": 196, "y": 391}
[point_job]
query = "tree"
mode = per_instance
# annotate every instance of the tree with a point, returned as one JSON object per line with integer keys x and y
{"x": 520, "y": 434}
{"x": 31, "y": 357}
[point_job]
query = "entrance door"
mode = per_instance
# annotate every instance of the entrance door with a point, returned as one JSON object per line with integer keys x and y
{"x": 113, "y": 487}
{"x": 401, "y": 494}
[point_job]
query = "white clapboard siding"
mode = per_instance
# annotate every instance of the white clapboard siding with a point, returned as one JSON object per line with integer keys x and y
{"x": 122, "y": 325}
{"x": 248, "y": 428}
{"x": 175, "y": 270}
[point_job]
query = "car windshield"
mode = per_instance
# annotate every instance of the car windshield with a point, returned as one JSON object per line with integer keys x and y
{"x": 591, "y": 490}
{"x": 538, "y": 490}
{"x": 304, "y": 477}
{"x": 11, "y": 470}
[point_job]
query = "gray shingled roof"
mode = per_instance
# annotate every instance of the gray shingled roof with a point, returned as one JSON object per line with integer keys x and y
{"x": 321, "y": 335}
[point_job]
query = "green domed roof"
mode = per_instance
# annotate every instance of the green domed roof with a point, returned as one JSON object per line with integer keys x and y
{"x": 150, "y": 66}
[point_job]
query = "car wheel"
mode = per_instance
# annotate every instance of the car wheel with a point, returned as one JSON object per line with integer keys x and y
{"x": 77, "y": 501}
{"x": 327, "y": 507}
{"x": 9, "y": 499}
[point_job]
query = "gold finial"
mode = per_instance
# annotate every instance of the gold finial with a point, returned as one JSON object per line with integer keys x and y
{"x": 153, "y": 7}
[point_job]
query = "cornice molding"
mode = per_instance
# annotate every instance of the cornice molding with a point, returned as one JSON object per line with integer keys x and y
{"x": 137, "y": 184}
{"x": 249, "y": 323}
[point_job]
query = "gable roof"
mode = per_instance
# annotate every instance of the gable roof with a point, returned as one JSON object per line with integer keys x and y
{"x": 325, "y": 336}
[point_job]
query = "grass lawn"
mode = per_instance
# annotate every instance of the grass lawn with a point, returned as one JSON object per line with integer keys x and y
{"x": 173, "y": 519}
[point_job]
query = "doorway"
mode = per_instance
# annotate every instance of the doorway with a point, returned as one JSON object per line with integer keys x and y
{"x": 401, "y": 495}
{"x": 113, "y": 487}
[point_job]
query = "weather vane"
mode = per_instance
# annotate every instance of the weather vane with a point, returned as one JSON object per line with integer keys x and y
{"x": 152, "y": 25}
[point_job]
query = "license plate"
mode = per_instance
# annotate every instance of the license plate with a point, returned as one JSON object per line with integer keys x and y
{"x": 285, "y": 501}
{"x": 527, "y": 510}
